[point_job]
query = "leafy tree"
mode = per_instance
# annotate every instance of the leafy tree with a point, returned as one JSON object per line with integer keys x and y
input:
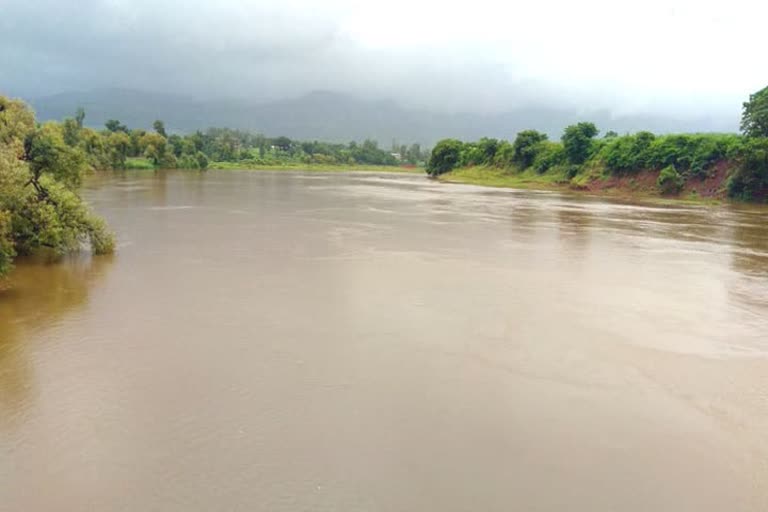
{"x": 113, "y": 125}
{"x": 119, "y": 144}
{"x": 577, "y": 142}
{"x": 71, "y": 132}
{"x": 154, "y": 147}
{"x": 526, "y": 146}
{"x": 80, "y": 117}
{"x": 445, "y": 157}
{"x": 159, "y": 128}
{"x": 754, "y": 118}
{"x": 202, "y": 160}
{"x": 751, "y": 177}
{"x": 487, "y": 148}
{"x": 413, "y": 154}
{"x": 46, "y": 152}
{"x": 39, "y": 206}
{"x": 7, "y": 249}
{"x": 282, "y": 143}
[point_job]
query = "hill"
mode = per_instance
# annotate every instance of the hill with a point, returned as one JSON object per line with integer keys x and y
{"x": 336, "y": 117}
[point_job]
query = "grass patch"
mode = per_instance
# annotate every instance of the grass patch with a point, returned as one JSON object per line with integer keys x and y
{"x": 138, "y": 163}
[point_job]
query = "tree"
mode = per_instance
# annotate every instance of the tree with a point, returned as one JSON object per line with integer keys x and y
{"x": 282, "y": 143}
{"x": 487, "y": 148}
{"x": 159, "y": 127}
{"x": 154, "y": 147}
{"x": 119, "y": 143}
{"x": 113, "y": 125}
{"x": 39, "y": 205}
{"x": 202, "y": 160}
{"x": 526, "y": 146}
{"x": 445, "y": 156}
{"x": 71, "y": 131}
{"x": 414, "y": 154}
{"x": 754, "y": 117}
{"x": 80, "y": 117}
{"x": 577, "y": 141}
{"x": 46, "y": 152}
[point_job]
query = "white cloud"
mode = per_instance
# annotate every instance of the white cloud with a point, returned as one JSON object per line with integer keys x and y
{"x": 692, "y": 57}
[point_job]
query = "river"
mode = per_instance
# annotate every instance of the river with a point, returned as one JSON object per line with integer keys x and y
{"x": 286, "y": 341}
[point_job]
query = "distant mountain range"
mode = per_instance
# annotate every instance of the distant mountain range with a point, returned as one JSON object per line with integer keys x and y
{"x": 336, "y": 117}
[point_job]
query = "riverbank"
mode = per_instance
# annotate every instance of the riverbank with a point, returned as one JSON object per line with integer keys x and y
{"x": 315, "y": 167}
{"x": 641, "y": 185}
{"x": 145, "y": 164}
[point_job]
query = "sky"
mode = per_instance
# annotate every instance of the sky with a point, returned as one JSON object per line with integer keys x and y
{"x": 684, "y": 57}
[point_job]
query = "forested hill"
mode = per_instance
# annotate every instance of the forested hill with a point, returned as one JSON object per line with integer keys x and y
{"x": 334, "y": 117}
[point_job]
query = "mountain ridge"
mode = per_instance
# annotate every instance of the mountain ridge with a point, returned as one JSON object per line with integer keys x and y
{"x": 338, "y": 117}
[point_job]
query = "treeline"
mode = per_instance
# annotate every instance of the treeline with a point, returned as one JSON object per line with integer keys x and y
{"x": 581, "y": 154}
{"x": 40, "y": 172}
{"x": 119, "y": 147}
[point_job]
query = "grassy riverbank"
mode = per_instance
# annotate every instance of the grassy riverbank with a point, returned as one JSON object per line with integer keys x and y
{"x": 595, "y": 181}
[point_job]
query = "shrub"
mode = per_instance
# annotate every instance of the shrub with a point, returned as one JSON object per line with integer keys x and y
{"x": 526, "y": 147}
{"x": 751, "y": 177}
{"x": 548, "y": 155}
{"x": 670, "y": 181}
{"x": 445, "y": 157}
{"x": 627, "y": 154}
{"x": 577, "y": 142}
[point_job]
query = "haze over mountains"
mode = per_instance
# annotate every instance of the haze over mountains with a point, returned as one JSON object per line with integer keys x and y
{"x": 337, "y": 117}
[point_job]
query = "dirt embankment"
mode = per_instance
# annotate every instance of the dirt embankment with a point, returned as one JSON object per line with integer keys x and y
{"x": 713, "y": 185}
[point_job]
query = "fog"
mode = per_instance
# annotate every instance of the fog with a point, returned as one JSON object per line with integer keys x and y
{"x": 683, "y": 58}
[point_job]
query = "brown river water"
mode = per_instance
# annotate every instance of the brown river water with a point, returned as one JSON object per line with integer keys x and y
{"x": 287, "y": 341}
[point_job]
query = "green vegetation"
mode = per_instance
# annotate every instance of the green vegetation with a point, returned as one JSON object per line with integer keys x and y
{"x": 754, "y": 118}
{"x": 249, "y": 166}
{"x": 670, "y": 181}
{"x": 40, "y": 172}
{"x": 118, "y": 147}
{"x": 580, "y": 159}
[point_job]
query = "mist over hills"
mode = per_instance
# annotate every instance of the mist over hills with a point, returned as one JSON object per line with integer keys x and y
{"x": 336, "y": 117}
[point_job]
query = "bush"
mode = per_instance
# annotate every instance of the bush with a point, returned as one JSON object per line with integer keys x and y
{"x": 690, "y": 154}
{"x": 670, "y": 181}
{"x": 526, "y": 147}
{"x": 627, "y": 154}
{"x": 504, "y": 155}
{"x": 548, "y": 155}
{"x": 445, "y": 157}
{"x": 750, "y": 179}
{"x": 577, "y": 142}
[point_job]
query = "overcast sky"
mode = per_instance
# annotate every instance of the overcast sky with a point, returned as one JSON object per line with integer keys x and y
{"x": 691, "y": 57}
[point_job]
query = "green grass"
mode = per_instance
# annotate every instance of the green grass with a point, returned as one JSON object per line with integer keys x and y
{"x": 138, "y": 163}
{"x": 314, "y": 167}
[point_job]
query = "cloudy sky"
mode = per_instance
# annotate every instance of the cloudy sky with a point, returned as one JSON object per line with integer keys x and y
{"x": 691, "y": 57}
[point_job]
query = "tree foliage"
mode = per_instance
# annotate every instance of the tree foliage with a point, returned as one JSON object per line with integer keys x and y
{"x": 669, "y": 180}
{"x": 445, "y": 157}
{"x": 577, "y": 142}
{"x": 39, "y": 175}
{"x": 754, "y": 117}
{"x": 526, "y": 147}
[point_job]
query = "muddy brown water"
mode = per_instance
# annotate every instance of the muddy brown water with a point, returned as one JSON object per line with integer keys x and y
{"x": 287, "y": 341}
